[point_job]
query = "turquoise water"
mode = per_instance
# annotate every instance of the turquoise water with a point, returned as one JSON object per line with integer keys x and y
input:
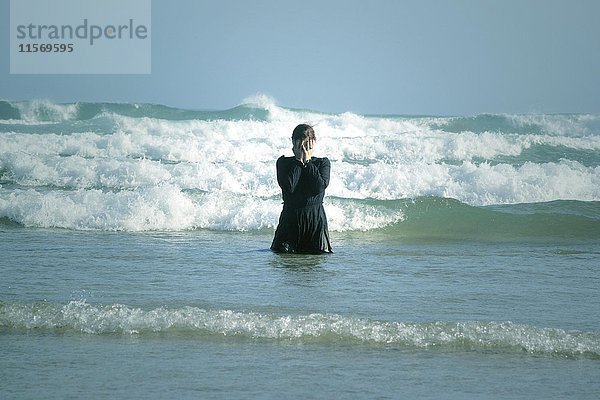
{"x": 135, "y": 265}
{"x": 214, "y": 315}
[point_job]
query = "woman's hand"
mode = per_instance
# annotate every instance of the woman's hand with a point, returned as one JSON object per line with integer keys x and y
{"x": 307, "y": 150}
{"x": 303, "y": 150}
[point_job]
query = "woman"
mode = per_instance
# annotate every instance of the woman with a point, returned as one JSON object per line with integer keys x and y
{"x": 303, "y": 178}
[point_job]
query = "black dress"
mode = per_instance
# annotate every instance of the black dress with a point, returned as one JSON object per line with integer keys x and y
{"x": 302, "y": 225}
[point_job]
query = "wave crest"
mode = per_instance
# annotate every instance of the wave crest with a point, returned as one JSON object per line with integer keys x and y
{"x": 104, "y": 159}
{"x": 86, "y": 318}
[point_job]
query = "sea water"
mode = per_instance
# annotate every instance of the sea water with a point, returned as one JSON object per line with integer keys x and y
{"x": 135, "y": 264}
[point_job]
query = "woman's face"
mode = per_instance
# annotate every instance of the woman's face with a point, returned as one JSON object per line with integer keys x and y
{"x": 307, "y": 142}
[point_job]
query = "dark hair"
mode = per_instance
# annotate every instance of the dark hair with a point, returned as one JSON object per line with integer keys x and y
{"x": 302, "y": 132}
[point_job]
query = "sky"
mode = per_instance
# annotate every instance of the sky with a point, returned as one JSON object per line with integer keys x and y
{"x": 444, "y": 57}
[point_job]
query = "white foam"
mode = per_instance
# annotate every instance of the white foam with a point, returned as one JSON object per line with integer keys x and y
{"x": 486, "y": 184}
{"x": 222, "y": 172}
{"x": 168, "y": 208}
{"x": 576, "y": 125}
{"x": 160, "y": 208}
{"x": 349, "y": 216}
{"x": 45, "y": 111}
{"x": 261, "y": 100}
{"x": 87, "y": 318}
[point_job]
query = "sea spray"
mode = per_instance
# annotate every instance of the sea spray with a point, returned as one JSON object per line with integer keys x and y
{"x": 138, "y": 167}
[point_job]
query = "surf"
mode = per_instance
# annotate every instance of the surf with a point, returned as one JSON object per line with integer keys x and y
{"x": 145, "y": 167}
{"x": 98, "y": 319}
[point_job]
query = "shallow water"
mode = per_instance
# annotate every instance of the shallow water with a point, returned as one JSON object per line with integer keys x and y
{"x": 214, "y": 314}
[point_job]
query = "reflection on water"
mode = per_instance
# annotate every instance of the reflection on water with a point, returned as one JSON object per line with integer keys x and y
{"x": 302, "y": 270}
{"x": 299, "y": 262}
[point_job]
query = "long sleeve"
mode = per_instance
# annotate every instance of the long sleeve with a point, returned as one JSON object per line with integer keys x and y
{"x": 318, "y": 176}
{"x": 303, "y": 185}
{"x": 288, "y": 174}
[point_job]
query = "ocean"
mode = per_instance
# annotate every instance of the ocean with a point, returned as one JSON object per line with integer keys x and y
{"x": 135, "y": 255}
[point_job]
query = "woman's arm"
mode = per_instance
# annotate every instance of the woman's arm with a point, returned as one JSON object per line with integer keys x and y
{"x": 288, "y": 174}
{"x": 318, "y": 176}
